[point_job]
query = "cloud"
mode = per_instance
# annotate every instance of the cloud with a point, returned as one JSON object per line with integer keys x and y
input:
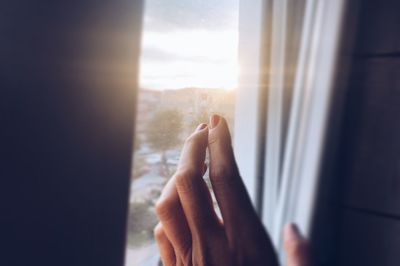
{"x": 155, "y": 55}
{"x": 164, "y": 15}
{"x": 189, "y": 43}
{"x": 208, "y": 44}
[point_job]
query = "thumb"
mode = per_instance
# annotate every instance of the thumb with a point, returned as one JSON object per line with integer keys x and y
{"x": 296, "y": 247}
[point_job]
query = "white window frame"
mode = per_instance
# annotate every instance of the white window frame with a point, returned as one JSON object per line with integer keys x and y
{"x": 248, "y": 138}
{"x": 308, "y": 120}
{"x": 274, "y": 118}
{"x": 259, "y": 150}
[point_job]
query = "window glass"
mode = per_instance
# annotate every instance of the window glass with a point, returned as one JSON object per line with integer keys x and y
{"x": 188, "y": 70}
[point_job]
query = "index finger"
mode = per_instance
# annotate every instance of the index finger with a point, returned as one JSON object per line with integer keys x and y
{"x": 192, "y": 189}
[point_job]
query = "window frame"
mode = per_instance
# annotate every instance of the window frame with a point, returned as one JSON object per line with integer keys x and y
{"x": 250, "y": 98}
{"x": 289, "y": 195}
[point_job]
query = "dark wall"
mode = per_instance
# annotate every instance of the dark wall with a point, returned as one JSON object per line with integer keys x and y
{"x": 368, "y": 159}
{"x": 67, "y": 97}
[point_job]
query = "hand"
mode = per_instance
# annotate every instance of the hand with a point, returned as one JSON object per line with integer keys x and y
{"x": 190, "y": 232}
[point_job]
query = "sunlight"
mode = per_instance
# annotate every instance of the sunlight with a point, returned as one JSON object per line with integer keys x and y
{"x": 195, "y": 58}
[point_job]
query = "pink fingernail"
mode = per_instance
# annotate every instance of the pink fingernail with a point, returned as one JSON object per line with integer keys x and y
{"x": 201, "y": 127}
{"x": 214, "y": 120}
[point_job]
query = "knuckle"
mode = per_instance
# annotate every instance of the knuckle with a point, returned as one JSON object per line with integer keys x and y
{"x": 222, "y": 176}
{"x": 165, "y": 208}
{"x": 185, "y": 180}
{"x": 158, "y": 232}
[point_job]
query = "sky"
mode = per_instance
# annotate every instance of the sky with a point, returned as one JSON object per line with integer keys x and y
{"x": 189, "y": 43}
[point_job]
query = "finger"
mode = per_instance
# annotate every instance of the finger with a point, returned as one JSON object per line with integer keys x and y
{"x": 229, "y": 190}
{"x": 173, "y": 220}
{"x": 296, "y": 246}
{"x": 165, "y": 247}
{"x": 192, "y": 190}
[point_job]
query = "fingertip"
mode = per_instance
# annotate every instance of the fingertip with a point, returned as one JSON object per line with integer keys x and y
{"x": 291, "y": 233}
{"x": 217, "y": 121}
{"x": 199, "y": 136}
{"x": 214, "y": 120}
{"x": 295, "y": 245}
{"x": 201, "y": 133}
{"x": 219, "y": 131}
{"x": 291, "y": 230}
{"x": 201, "y": 127}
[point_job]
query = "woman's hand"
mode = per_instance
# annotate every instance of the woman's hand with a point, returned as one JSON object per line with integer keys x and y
{"x": 190, "y": 232}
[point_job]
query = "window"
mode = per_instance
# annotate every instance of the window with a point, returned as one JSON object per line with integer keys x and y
{"x": 278, "y": 111}
{"x": 188, "y": 70}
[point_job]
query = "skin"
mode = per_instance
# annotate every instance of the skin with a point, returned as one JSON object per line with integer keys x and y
{"x": 190, "y": 232}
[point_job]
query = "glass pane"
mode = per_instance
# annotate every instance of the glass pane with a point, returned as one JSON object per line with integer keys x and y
{"x": 188, "y": 70}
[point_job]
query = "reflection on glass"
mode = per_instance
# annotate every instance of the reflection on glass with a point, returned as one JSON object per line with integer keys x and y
{"x": 188, "y": 70}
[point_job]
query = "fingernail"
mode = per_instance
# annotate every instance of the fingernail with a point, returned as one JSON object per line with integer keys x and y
{"x": 214, "y": 120}
{"x": 201, "y": 127}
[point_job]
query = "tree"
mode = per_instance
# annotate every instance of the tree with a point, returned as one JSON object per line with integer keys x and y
{"x": 163, "y": 133}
